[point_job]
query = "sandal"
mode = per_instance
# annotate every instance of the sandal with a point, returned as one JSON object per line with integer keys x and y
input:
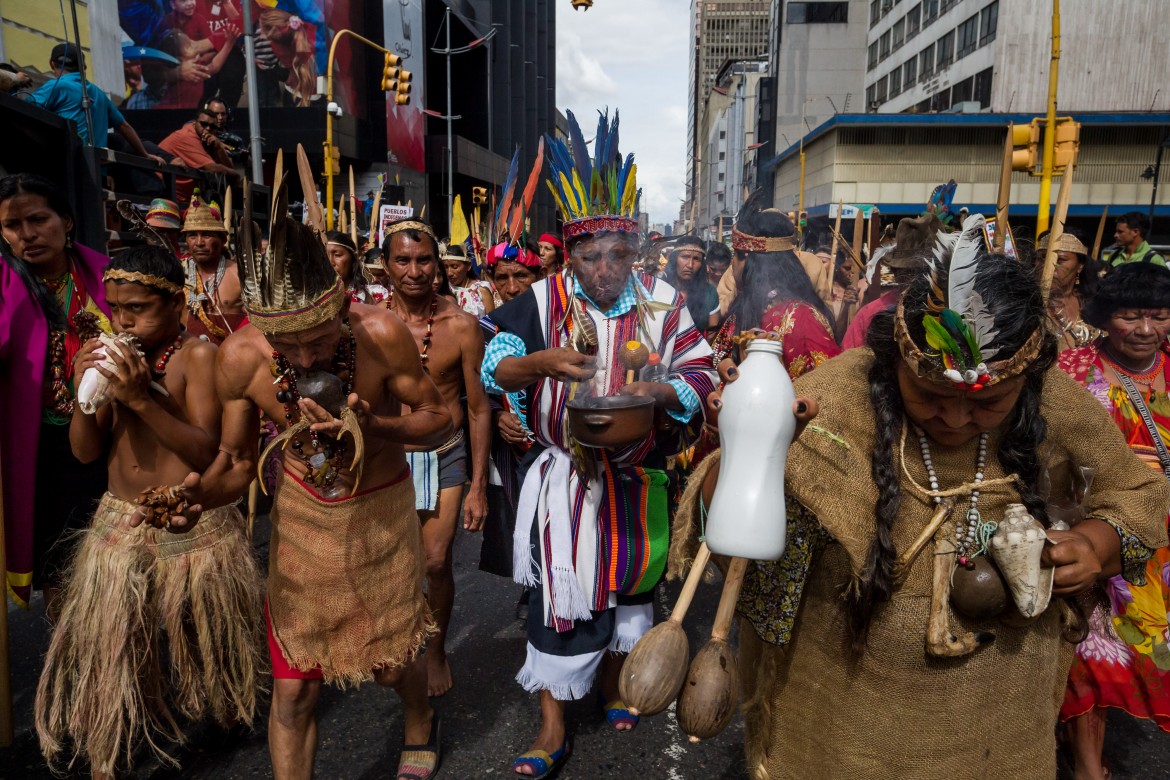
{"x": 543, "y": 764}
{"x": 421, "y": 762}
{"x": 618, "y": 714}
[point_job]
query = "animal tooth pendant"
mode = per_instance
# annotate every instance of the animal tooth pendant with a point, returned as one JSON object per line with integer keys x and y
{"x": 1017, "y": 546}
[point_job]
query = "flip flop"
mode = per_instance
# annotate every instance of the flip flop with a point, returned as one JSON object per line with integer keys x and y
{"x": 421, "y": 762}
{"x": 543, "y": 764}
{"x": 617, "y": 713}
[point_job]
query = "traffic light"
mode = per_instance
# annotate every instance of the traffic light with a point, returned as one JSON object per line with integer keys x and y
{"x": 803, "y": 219}
{"x": 1068, "y": 139}
{"x": 403, "y": 87}
{"x": 478, "y": 196}
{"x": 332, "y": 161}
{"x": 1025, "y": 146}
{"x": 390, "y": 69}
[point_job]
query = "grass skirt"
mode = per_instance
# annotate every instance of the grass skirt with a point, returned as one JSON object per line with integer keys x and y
{"x": 155, "y": 625}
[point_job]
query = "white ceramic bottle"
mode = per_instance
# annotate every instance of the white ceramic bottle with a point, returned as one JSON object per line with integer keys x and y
{"x": 756, "y": 425}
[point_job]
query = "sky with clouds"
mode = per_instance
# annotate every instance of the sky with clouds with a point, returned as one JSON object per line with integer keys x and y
{"x": 632, "y": 55}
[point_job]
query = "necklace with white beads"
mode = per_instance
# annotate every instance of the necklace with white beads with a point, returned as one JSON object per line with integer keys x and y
{"x": 968, "y": 535}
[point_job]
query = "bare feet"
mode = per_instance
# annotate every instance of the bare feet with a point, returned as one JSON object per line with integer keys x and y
{"x": 438, "y": 674}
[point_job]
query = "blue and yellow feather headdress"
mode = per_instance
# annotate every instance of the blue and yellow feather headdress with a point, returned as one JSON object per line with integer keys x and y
{"x": 598, "y": 194}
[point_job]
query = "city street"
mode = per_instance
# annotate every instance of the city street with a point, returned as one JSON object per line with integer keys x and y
{"x": 488, "y": 719}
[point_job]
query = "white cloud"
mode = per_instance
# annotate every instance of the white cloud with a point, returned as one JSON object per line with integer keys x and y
{"x": 631, "y": 55}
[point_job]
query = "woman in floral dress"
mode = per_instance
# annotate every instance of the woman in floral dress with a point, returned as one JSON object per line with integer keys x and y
{"x": 1125, "y": 661}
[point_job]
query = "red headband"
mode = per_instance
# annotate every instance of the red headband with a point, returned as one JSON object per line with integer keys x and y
{"x": 507, "y": 253}
{"x": 549, "y": 238}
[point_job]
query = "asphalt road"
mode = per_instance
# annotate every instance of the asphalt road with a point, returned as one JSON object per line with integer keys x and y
{"x": 488, "y": 719}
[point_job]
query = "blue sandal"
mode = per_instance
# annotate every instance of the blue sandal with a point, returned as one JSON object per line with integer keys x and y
{"x": 543, "y": 764}
{"x": 617, "y": 713}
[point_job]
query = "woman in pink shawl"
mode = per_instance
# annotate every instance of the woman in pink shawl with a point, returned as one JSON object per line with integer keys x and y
{"x": 51, "y": 301}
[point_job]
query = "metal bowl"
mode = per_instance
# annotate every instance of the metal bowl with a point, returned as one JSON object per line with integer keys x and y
{"x": 611, "y": 422}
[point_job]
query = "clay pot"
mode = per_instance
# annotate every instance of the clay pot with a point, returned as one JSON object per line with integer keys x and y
{"x": 979, "y": 593}
{"x": 610, "y": 422}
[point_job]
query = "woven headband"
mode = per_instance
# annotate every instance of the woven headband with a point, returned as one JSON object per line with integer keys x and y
{"x": 323, "y": 309}
{"x": 409, "y": 224}
{"x": 930, "y": 367}
{"x": 149, "y": 280}
{"x": 587, "y": 226}
{"x": 742, "y": 242}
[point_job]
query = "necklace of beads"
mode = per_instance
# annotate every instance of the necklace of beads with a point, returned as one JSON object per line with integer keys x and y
{"x": 160, "y": 365}
{"x": 319, "y": 469}
{"x": 426, "y": 342}
{"x": 969, "y": 536}
{"x": 1146, "y": 376}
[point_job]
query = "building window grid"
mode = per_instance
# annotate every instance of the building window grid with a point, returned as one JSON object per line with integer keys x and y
{"x": 967, "y": 35}
{"x": 910, "y": 73}
{"x": 895, "y": 81}
{"x": 913, "y": 21}
{"x": 884, "y": 46}
{"x": 929, "y": 12}
{"x": 988, "y": 22}
{"x": 945, "y": 48}
{"x": 899, "y": 33}
{"x": 872, "y": 59}
{"x": 926, "y": 62}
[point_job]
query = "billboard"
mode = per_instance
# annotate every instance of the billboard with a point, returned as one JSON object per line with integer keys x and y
{"x": 406, "y": 125}
{"x": 178, "y": 54}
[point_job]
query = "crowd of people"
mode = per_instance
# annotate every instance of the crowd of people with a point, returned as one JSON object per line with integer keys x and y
{"x": 385, "y": 395}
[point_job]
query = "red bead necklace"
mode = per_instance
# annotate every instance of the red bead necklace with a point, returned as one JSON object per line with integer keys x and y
{"x": 160, "y": 365}
{"x": 426, "y": 342}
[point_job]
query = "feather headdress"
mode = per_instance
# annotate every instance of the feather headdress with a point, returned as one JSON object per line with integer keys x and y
{"x": 960, "y": 330}
{"x": 594, "y": 194}
{"x": 512, "y": 211}
{"x": 291, "y": 286}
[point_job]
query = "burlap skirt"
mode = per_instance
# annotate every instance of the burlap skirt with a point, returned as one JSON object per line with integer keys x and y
{"x": 151, "y": 620}
{"x": 345, "y": 580}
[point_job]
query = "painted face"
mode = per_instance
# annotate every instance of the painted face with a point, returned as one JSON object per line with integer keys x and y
{"x": 688, "y": 261}
{"x": 512, "y": 279}
{"x": 1125, "y": 235}
{"x": 341, "y": 259}
{"x": 412, "y": 266}
{"x": 1068, "y": 268}
{"x": 1134, "y": 335}
{"x": 953, "y": 417}
{"x": 457, "y": 271}
{"x": 205, "y": 246}
{"x": 603, "y": 263}
{"x": 36, "y": 233}
{"x": 312, "y": 349}
{"x": 144, "y": 312}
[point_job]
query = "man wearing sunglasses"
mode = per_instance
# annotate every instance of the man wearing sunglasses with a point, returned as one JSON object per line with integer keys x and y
{"x": 195, "y": 146}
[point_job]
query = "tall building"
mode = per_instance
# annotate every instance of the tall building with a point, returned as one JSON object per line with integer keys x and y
{"x": 980, "y": 55}
{"x": 723, "y": 31}
{"x": 728, "y": 135}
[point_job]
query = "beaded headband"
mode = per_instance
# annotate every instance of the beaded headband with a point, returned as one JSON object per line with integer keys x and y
{"x": 931, "y": 366}
{"x": 599, "y": 224}
{"x": 136, "y": 277}
{"x": 323, "y": 309}
{"x": 409, "y": 224}
{"x": 742, "y": 242}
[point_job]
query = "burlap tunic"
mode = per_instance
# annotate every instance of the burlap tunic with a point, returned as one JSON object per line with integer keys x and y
{"x": 814, "y": 708}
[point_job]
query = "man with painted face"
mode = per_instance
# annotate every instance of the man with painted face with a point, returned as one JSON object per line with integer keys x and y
{"x": 588, "y": 607}
{"x": 213, "y": 282}
{"x": 450, "y": 350}
{"x": 345, "y": 581}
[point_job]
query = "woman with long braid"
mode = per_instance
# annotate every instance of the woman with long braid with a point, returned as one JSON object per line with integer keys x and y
{"x": 869, "y": 649}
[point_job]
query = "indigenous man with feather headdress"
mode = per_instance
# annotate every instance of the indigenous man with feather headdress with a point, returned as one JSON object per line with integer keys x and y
{"x": 147, "y": 395}
{"x": 345, "y": 600}
{"x": 591, "y": 528}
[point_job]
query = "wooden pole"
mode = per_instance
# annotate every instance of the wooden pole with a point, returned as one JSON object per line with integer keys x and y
{"x": 353, "y": 210}
{"x": 7, "y": 731}
{"x": 1100, "y": 235}
{"x": 836, "y": 232}
{"x": 375, "y": 220}
{"x": 1058, "y": 221}
{"x": 858, "y": 233}
{"x": 1005, "y": 193}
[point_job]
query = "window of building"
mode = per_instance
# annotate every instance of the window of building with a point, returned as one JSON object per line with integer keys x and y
{"x": 818, "y": 13}
{"x": 869, "y": 93}
{"x": 926, "y": 61}
{"x": 946, "y": 51}
{"x": 929, "y": 11}
{"x": 968, "y": 37}
{"x": 872, "y": 60}
{"x": 962, "y": 91}
{"x": 722, "y": 156}
{"x": 895, "y": 82}
{"x": 875, "y": 12}
{"x": 899, "y": 30}
{"x": 884, "y": 45}
{"x": 721, "y": 176}
{"x": 948, "y": 5}
{"x": 910, "y": 73}
{"x": 941, "y": 100}
{"x": 913, "y": 21}
{"x": 983, "y": 88}
{"x": 880, "y": 91}
{"x": 988, "y": 21}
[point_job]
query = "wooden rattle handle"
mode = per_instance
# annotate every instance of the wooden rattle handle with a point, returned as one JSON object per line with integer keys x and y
{"x": 691, "y": 585}
{"x": 630, "y": 376}
{"x": 731, "y": 587}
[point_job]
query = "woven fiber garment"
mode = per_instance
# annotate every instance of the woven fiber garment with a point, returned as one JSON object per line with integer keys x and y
{"x": 345, "y": 580}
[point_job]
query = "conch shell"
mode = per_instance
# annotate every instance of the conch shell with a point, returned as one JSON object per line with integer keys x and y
{"x": 1016, "y": 547}
{"x": 93, "y": 391}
